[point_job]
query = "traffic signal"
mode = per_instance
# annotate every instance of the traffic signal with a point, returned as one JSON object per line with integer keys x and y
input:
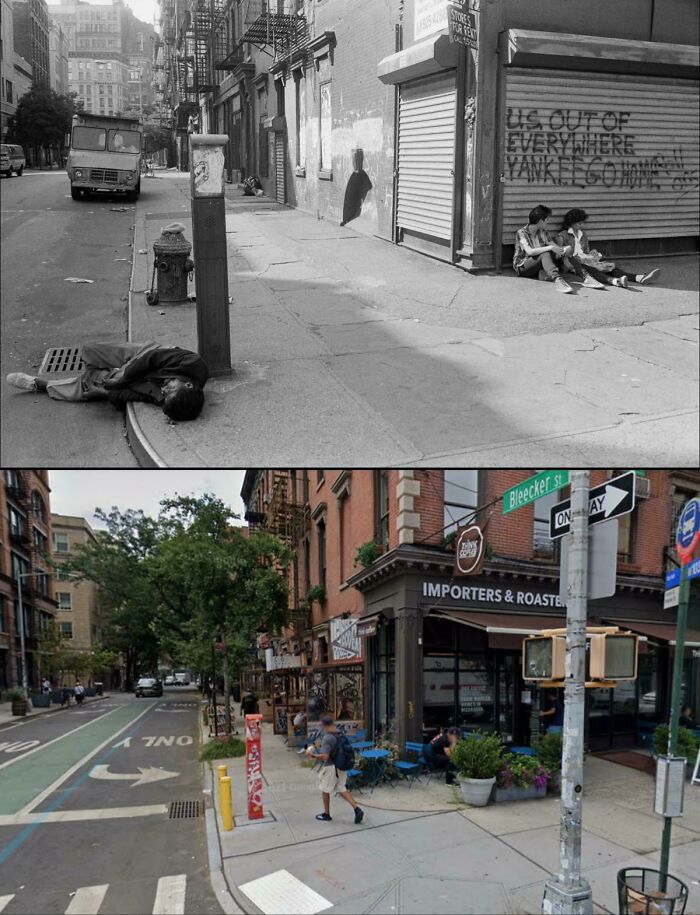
{"x": 543, "y": 657}
{"x": 613, "y": 656}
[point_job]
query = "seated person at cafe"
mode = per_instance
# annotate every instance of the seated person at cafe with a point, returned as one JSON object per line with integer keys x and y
{"x": 554, "y": 712}
{"x": 440, "y": 749}
{"x": 686, "y": 718}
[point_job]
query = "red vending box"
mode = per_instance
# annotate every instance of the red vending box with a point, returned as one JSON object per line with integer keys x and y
{"x": 253, "y": 766}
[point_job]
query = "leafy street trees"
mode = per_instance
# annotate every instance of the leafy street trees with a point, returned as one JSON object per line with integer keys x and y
{"x": 42, "y": 119}
{"x": 57, "y": 657}
{"x": 175, "y": 584}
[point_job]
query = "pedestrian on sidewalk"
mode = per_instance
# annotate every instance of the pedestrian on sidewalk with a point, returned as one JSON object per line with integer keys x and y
{"x": 79, "y": 692}
{"x": 337, "y": 756}
{"x": 588, "y": 263}
{"x": 537, "y": 256}
{"x": 45, "y": 686}
{"x": 249, "y": 703}
{"x": 65, "y": 695}
{"x": 171, "y": 377}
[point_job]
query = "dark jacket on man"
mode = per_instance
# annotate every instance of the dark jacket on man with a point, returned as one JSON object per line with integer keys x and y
{"x": 143, "y": 375}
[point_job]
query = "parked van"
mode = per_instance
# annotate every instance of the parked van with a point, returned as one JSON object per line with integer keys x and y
{"x": 11, "y": 159}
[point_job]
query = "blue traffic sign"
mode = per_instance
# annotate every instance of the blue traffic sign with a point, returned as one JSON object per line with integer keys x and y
{"x": 693, "y": 569}
{"x": 673, "y": 579}
{"x": 688, "y": 524}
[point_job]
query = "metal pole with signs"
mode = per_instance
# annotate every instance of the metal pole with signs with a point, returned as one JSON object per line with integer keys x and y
{"x": 211, "y": 261}
{"x": 609, "y": 500}
{"x": 667, "y": 788}
{"x": 570, "y": 893}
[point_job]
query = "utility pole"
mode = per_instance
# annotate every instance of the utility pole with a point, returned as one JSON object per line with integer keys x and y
{"x": 570, "y": 894}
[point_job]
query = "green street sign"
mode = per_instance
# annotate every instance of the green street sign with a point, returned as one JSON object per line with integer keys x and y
{"x": 542, "y": 484}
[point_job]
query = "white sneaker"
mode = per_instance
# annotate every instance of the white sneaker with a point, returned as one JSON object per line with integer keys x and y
{"x": 22, "y": 380}
{"x": 643, "y": 278}
{"x": 620, "y": 281}
{"x": 561, "y": 285}
{"x": 591, "y": 282}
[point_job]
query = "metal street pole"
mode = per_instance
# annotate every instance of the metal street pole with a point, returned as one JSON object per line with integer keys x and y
{"x": 681, "y": 620}
{"x": 20, "y": 607}
{"x": 213, "y": 688}
{"x": 570, "y": 894}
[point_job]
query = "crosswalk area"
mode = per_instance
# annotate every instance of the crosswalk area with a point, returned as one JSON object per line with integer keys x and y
{"x": 169, "y": 899}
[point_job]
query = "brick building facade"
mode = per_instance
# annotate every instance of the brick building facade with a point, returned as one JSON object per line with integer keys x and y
{"x": 25, "y": 551}
{"x": 77, "y": 602}
{"x": 373, "y": 549}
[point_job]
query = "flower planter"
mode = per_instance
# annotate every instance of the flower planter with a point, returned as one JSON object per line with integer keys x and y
{"x": 40, "y": 700}
{"x": 20, "y": 707}
{"x": 519, "y": 794}
{"x": 90, "y": 691}
{"x": 476, "y": 791}
{"x": 554, "y": 785}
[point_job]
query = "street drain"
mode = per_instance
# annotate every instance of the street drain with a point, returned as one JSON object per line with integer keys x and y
{"x": 185, "y": 810}
{"x": 61, "y": 360}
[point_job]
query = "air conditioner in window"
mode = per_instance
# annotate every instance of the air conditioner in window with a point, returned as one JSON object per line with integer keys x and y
{"x": 642, "y": 487}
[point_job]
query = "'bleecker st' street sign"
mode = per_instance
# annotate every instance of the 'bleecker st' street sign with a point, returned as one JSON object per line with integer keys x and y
{"x": 542, "y": 484}
{"x": 609, "y": 500}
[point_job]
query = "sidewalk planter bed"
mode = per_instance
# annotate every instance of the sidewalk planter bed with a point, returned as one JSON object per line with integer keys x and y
{"x": 40, "y": 700}
{"x": 20, "y": 704}
{"x": 479, "y": 758}
{"x": 519, "y": 794}
{"x": 55, "y": 696}
{"x": 521, "y": 777}
{"x": 549, "y": 751}
{"x": 90, "y": 691}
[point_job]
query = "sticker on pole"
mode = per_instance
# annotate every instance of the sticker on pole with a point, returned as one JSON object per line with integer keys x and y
{"x": 688, "y": 531}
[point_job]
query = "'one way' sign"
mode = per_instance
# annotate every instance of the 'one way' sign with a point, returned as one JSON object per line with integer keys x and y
{"x": 609, "y": 500}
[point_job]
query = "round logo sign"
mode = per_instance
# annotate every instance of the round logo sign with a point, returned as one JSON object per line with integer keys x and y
{"x": 469, "y": 549}
{"x": 688, "y": 531}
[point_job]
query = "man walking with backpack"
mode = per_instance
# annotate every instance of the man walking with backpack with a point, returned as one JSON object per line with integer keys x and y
{"x": 338, "y": 757}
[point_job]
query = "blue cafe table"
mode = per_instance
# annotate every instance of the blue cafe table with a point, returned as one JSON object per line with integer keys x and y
{"x": 376, "y": 770}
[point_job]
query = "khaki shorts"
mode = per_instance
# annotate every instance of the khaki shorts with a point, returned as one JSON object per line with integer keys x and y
{"x": 329, "y": 782}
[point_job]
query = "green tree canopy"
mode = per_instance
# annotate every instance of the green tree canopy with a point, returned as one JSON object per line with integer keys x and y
{"x": 43, "y": 117}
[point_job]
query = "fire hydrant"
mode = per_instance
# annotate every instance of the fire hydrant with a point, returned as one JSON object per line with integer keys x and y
{"x": 172, "y": 263}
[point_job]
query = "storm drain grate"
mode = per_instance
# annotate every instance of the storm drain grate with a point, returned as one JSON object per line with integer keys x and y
{"x": 185, "y": 810}
{"x": 62, "y": 360}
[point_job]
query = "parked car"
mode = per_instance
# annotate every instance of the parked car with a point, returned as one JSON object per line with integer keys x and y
{"x": 148, "y": 686}
{"x": 11, "y": 159}
{"x": 182, "y": 679}
{"x": 170, "y": 680}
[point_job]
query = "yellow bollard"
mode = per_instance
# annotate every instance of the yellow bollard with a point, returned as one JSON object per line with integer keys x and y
{"x": 225, "y": 803}
{"x": 223, "y": 771}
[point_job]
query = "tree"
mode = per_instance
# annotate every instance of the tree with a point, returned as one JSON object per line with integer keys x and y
{"x": 43, "y": 118}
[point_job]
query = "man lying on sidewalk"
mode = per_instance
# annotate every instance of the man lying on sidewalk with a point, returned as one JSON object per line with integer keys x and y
{"x": 333, "y": 776}
{"x": 168, "y": 376}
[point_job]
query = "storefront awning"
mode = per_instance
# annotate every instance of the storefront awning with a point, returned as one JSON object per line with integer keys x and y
{"x": 367, "y": 625}
{"x": 505, "y": 630}
{"x": 433, "y": 55}
{"x": 661, "y": 632}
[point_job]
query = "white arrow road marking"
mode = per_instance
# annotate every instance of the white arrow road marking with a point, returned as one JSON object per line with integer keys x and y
{"x": 613, "y": 496}
{"x": 147, "y": 776}
{"x": 71, "y": 816}
{"x": 170, "y": 895}
{"x": 87, "y": 900}
{"x": 4, "y": 900}
{"x": 123, "y": 743}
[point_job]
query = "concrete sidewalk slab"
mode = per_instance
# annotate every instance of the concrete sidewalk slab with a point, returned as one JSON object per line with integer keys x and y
{"x": 345, "y": 344}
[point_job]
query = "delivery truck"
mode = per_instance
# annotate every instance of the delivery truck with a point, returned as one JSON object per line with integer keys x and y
{"x": 105, "y": 155}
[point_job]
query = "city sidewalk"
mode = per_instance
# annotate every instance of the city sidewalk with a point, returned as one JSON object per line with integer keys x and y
{"x": 346, "y": 345}
{"x": 7, "y": 719}
{"x": 423, "y": 850}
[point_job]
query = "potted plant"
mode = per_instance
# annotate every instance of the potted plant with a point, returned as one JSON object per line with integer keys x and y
{"x": 40, "y": 700}
{"x": 367, "y": 554}
{"x": 20, "y": 703}
{"x": 549, "y": 751}
{"x": 521, "y": 777}
{"x": 479, "y": 758}
{"x": 318, "y": 592}
{"x": 686, "y": 745}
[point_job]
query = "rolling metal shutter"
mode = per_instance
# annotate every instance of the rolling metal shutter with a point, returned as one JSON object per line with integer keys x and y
{"x": 279, "y": 166}
{"x": 625, "y": 148}
{"x": 426, "y": 157}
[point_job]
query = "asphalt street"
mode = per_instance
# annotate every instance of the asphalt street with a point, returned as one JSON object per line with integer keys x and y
{"x": 91, "y": 810}
{"x": 46, "y": 238}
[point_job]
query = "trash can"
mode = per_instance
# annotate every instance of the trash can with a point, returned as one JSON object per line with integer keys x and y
{"x": 639, "y": 893}
{"x": 99, "y": 688}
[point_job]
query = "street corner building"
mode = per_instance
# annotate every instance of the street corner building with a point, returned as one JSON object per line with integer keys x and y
{"x": 389, "y": 119}
{"x": 386, "y": 637}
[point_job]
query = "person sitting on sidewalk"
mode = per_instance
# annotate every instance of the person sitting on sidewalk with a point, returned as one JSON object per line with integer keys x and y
{"x": 439, "y": 752}
{"x": 171, "y": 377}
{"x": 333, "y": 776}
{"x": 586, "y": 262}
{"x": 536, "y": 255}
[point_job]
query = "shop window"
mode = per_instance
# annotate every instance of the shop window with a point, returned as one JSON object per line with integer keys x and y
{"x": 381, "y": 508}
{"x": 65, "y": 600}
{"x": 461, "y": 496}
{"x": 476, "y": 696}
{"x": 263, "y": 156}
{"x": 648, "y": 706}
{"x": 439, "y": 690}
{"x": 438, "y": 636}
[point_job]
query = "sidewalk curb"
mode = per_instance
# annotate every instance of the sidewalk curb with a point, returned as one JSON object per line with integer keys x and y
{"x": 59, "y": 708}
{"x": 217, "y": 874}
{"x": 144, "y": 452}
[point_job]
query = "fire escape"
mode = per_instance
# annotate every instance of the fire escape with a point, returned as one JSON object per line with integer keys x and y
{"x": 289, "y": 519}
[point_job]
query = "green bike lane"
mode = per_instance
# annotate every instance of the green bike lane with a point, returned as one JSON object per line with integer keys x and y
{"x": 27, "y": 780}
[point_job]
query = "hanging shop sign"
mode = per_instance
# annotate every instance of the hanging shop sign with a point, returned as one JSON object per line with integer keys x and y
{"x": 253, "y": 766}
{"x": 367, "y": 628}
{"x": 485, "y": 595}
{"x": 470, "y": 548}
{"x": 461, "y": 24}
{"x": 345, "y": 642}
{"x": 281, "y": 661}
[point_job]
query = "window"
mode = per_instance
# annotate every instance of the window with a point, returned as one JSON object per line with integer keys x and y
{"x": 300, "y": 108}
{"x": 18, "y": 523}
{"x": 325, "y": 128}
{"x": 42, "y": 580}
{"x": 41, "y": 541}
{"x": 461, "y": 495}
{"x": 625, "y": 537}
{"x": 92, "y": 138}
{"x": 38, "y": 506}
{"x": 26, "y": 613}
{"x": 61, "y": 543}
{"x": 13, "y": 481}
{"x": 66, "y": 630}
{"x": 320, "y": 477}
{"x": 381, "y": 507}
{"x": 4, "y": 622}
{"x": 8, "y": 90}
{"x": 321, "y": 534}
{"x": 65, "y": 600}
{"x": 542, "y": 546}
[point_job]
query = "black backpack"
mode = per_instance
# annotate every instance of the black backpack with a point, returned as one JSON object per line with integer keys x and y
{"x": 344, "y": 756}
